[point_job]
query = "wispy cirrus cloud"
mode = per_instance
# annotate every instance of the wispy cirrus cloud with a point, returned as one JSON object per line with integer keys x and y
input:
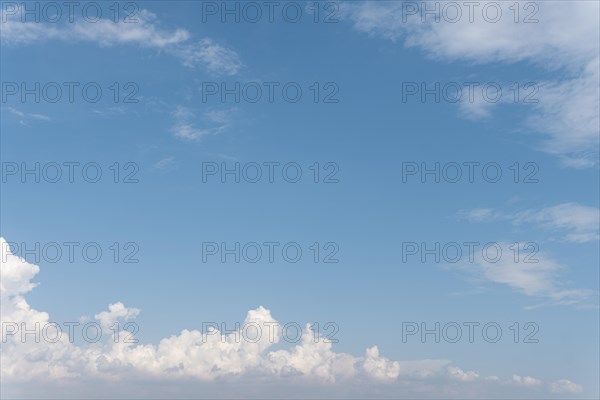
{"x": 25, "y": 117}
{"x": 579, "y": 223}
{"x": 215, "y": 57}
{"x": 526, "y": 269}
{"x": 562, "y": 41}
{"x": 213, "y": 122}
{"x": 539, "y": 275}
{"x": 145, "y": 33}
{"x": 164, "y": 163}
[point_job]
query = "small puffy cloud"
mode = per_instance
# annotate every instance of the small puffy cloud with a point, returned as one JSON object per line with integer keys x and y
{"x": 16, "y": 273}
{"x": 463, "y": 376}
{"x": 116, "y": 312}
{"x": 565, "y": 386}
{"x": 526, "y": 380}
{"x": 314, "y": 359}
{"x": 380, "y": 368}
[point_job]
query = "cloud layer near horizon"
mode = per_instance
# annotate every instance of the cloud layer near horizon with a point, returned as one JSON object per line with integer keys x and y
{"x": 214, "y": 356}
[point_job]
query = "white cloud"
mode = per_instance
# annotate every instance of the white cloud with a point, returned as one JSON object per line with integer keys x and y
{"x": 16, "y": 273}
{"x": 116, "y": 312}
{"x": 112, "y": 111}
{"x": 526, "y": 380}
{"x": 565, "y": 386}
{"x": 463, "y": 376}
{"x": 164, "y": 163}
{"x": 195, "y": 356}
{"x": 531, "y": 278}
{"x": 475, "y": 108}
{"x": 564, "y": 40}
{"x": 568, "y": 115}
{"x": 26, "y": 117}
{"x": 480, "y": 215}
{"x": 524, "y": 268}
{"x": 145, "y": 33}
{"x": 217, "y": 59}
{"x": 215, "y": 122}
{"x": 554, "y": 39}
{"x": 380, "y": 368}
{"x": 189, "y": 131}
{"x": 580, "y": 223}
{"x": 104, "y": 32}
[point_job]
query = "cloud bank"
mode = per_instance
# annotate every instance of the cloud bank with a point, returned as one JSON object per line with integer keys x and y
{"x": 64, "y": 367}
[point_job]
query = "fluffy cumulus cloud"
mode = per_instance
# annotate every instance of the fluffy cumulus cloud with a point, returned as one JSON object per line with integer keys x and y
{"x": 559, "y": 37}
{"x": 565, "y": 386}
{"x": 526, "y": 380}
{"x": 60, "y": 365}
{"x": 144, "y": 32}
{"x": 116, "y": 312}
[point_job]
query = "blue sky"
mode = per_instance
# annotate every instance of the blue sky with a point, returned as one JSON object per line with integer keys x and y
{"x": 363, "y": 131}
